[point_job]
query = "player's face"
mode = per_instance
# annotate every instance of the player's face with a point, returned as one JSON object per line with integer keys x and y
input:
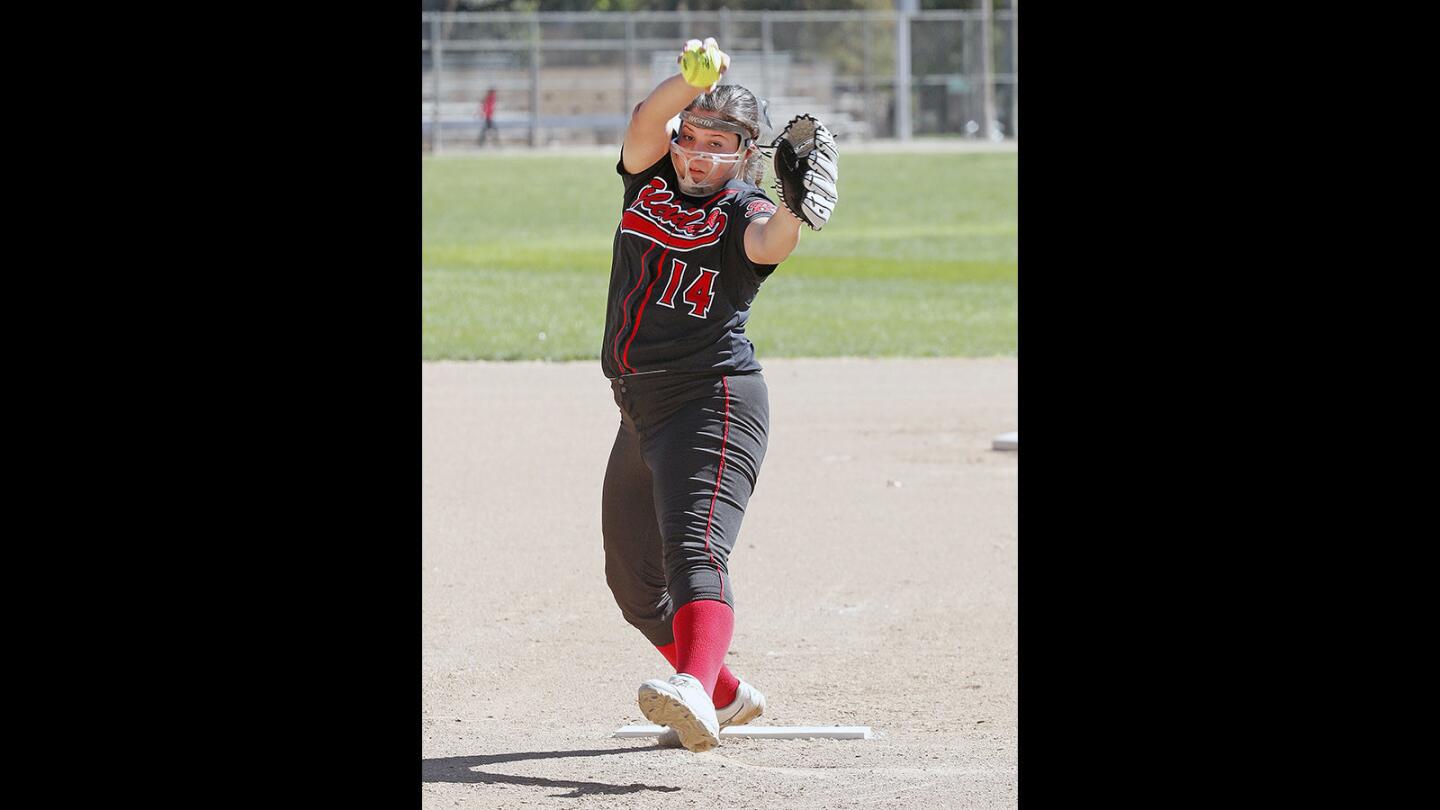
{"x": 698, "y": 145}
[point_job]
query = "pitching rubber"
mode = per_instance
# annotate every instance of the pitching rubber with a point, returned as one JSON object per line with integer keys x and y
{"x": 663, "y": 708}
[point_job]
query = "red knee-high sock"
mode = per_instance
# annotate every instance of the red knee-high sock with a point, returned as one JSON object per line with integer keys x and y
{"x": 702, "y": 636}
{"x": 725, "y": 685}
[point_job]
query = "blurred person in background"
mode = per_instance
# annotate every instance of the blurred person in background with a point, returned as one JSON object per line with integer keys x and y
{"x": 487, "y": 109}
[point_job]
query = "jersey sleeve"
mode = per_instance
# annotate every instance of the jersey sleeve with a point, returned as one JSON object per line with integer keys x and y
{"x": 751, "y": 205}
{"x": 635, "y": 181}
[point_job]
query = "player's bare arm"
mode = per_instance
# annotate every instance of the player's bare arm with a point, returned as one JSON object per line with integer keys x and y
{"x": 770, "y": 240}
{"x": 646, "y": 138}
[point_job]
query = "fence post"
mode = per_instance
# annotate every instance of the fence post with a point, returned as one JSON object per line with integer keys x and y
{"x": 1014, "y": 69}
{"x": 629, "y": 65}
{"x": 865, "y": 76}
{"x": 767, "y": 48}
{"x": 987, "y": 21}
{"x": 904, "y": 8}
{"x": 535, "y": 80}
{"x": 435, "y": 51}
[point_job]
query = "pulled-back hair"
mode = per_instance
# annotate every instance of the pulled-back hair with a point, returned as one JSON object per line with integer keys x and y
{"x": 735, "y": 103}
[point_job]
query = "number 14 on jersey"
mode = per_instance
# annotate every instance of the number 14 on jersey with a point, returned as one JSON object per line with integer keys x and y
{"x": 698, "y": 295}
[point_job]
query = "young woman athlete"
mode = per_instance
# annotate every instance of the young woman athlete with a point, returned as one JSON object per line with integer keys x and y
{"x": 696, "y": 239}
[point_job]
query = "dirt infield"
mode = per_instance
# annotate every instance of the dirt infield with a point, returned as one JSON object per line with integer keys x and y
{"x": 880, "y": 489}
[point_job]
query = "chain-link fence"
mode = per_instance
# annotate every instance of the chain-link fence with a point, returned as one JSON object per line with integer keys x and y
{"x": 574, "y": 77}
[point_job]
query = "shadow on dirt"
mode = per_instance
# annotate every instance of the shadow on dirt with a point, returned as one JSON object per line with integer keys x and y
{"x": 458, "y": 770}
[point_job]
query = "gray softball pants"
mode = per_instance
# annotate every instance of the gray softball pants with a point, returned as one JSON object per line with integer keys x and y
{"x": 681, "y": 471}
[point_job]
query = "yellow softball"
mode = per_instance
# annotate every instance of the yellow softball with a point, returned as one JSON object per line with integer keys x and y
{"x": 700, "y": 64}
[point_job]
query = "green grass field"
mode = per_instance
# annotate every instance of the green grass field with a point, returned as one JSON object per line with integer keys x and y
{"x": 918, "y": 260}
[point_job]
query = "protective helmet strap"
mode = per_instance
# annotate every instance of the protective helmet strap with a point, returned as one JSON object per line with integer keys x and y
{"x": 747, "y": 136}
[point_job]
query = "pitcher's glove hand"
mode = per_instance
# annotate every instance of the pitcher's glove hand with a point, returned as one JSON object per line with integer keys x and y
{"x": 806, "y": 170}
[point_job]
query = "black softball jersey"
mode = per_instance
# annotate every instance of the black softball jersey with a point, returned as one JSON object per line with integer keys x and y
{"x": 680, "y": 283}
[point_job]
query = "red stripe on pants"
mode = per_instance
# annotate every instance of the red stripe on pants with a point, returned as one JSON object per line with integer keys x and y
{"x": 724, "y": 437}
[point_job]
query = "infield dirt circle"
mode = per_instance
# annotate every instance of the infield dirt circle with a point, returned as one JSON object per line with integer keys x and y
{"x": 875, "y": 582}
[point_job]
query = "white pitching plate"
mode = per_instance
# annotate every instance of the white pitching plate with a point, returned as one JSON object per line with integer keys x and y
{"x": 765, "y": 732}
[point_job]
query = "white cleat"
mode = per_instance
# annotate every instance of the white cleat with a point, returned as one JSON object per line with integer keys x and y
{"x": 681, "y": 703}
{"x": 748, "y": 704}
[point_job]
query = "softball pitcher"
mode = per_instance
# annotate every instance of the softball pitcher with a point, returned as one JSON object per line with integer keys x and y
{"x": 697, "y": 237}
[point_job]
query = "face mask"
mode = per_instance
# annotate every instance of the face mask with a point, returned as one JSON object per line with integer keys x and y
{"x": 720, "y": 169}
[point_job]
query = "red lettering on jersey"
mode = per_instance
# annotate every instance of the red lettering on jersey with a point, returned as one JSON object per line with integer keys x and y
{"x": 759, "y": 206}
{"x": 677, "y": 271}
{"x": 701, "y": 292}
{"x": 656, "y": 216}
